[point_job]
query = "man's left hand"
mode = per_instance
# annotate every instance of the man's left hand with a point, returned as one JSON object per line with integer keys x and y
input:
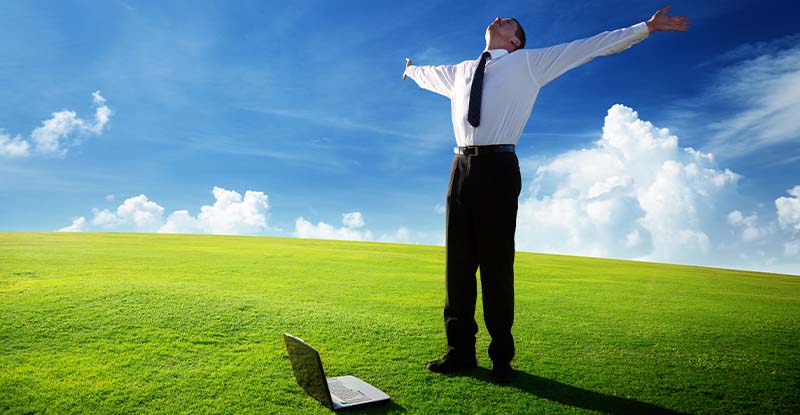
{"x": 661, "y": 22}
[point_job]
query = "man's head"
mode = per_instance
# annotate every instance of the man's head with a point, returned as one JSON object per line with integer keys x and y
{"x": 505, "y": 33}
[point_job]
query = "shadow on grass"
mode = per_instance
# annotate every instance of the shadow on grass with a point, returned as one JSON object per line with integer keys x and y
{"x": 378, "y": 408}
{"x": 572, "y": 395}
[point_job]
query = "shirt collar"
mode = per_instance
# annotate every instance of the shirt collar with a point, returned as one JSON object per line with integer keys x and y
{"x": 498, "y": 53}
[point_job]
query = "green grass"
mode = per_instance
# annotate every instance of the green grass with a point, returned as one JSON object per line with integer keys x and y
{"x": 137, "y": 323}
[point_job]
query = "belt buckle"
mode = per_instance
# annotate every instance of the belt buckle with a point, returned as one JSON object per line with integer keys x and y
{"x": 470, "y": 151}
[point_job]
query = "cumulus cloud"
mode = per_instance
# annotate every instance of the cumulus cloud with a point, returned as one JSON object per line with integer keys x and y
{"x": 750, "y": 229}
{"x": 49, "y": 137}
{"x": 13, "y": 147}
{"x": 181, "y": 221}
{"x": 351, "y": 230}
{"x": 62, "y": 130}
{"x": 139, "y": 212}
{"x": 106, "y": 218}
{"x": 231, "y": 214}
{"x": 789, "y": 209}
{"x": 78, "y": 225}
{"x": 637, "y": 194}
{"x": 351, "y": 221}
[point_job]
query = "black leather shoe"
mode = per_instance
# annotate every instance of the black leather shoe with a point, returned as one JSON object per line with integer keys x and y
{"x": 450, "y": 364}
{"x": 502, "y": 373}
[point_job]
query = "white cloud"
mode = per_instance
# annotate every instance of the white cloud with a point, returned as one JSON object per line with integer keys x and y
{"x": 352, "y": 220}
{"x": 78, "y": 225}
{"x": 13, "y": 147}
{"x": 230, "y": 215}
{"x": 181, "y": 221}
{"x": 735, "y": 217}
{"x": 62, "y": 130}
{"x": 751, "y": 231}
{"x": 766, "y": 92}
{"x": 137, "y": 212}
{"x": 98, "y": 99}
{"x": 637, "y": 194}
{"x": 440, "y": 209}
{"x": 48, "y": 138}
{"x": 789, "y": 209}
{"x": 634, "y": 194}
{"x": 305, "y": 229}
{"x": 143, "y": 213}
{"x": 106, "y": 218}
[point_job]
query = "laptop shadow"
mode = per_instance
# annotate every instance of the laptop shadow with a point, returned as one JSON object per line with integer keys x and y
{"x": 573, "y": 396}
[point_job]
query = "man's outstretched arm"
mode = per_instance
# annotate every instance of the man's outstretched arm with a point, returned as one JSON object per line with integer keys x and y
{"x": 437, "y": 79}
{"x": 547, "y": 64}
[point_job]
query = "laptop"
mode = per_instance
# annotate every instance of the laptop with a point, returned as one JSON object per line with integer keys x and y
{"x": 335, "y": 393}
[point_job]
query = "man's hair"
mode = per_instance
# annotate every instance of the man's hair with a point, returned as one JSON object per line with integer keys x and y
{"x": 520, "y": 33}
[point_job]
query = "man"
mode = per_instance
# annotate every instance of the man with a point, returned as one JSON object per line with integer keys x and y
{"x": 491, "y": 100}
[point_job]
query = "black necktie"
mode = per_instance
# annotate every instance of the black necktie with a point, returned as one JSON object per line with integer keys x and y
{"x": 476, "y": 92}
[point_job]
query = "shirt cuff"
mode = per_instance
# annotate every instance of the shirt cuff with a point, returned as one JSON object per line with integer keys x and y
{"x": 641, "y": 30}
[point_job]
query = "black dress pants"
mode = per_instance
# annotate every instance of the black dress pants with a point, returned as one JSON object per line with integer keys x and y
{"x": 481, "y": 221}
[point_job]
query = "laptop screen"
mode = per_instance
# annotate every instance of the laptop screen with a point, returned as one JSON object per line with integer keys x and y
{"x": 308, "y": 371}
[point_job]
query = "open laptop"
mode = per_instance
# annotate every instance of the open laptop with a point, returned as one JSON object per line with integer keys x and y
{"x": 335, "y": 393}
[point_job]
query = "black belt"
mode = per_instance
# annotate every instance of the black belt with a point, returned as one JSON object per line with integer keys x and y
{"x": 472, "y": 151}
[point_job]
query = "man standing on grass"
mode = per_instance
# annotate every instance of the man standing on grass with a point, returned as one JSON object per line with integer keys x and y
{"x": 491, "y": 99}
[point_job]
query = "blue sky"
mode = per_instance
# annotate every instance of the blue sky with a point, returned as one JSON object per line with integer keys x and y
{"x": 122, "y": 113}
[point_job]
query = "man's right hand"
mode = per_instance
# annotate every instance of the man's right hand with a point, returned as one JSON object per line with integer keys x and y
{"x": 408, "y": 63}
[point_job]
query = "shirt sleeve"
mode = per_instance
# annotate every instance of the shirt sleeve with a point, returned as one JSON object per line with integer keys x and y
{"x": 547, "y": 64}
{"x": 438, "y": 79}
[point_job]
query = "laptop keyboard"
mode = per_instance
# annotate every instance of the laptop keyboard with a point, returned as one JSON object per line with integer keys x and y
{"x": 346, "y": 394}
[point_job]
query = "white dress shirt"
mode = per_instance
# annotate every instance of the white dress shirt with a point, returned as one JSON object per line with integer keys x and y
{"x": 512, "y": 81}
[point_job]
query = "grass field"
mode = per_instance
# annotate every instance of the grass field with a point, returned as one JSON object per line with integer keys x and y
{"x": 136, "y": 323}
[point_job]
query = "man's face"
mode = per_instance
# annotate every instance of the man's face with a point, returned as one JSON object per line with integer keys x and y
{"x": 503, "y": 29}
